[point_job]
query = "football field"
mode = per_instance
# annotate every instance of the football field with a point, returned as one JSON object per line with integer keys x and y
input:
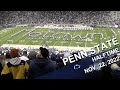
{"x": 29, "y": 35}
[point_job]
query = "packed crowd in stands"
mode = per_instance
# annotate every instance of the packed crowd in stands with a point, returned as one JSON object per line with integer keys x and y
{"x": 57, "y": 17}
{"x": 30, "y": 64}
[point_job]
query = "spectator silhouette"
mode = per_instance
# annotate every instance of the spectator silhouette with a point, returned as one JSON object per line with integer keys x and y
{"x": 15, "y": 68}
{"x": 41, "y": 65}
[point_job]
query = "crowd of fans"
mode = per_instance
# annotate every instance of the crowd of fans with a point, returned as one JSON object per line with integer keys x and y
{"x": 17, "y": 64}
{"x": 57, "y": 17}
{"x": 30, "y": 64}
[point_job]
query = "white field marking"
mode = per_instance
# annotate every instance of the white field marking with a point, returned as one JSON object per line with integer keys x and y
{"x": 105, "y": 34}
{"x": 39, "y": 39}
{"x": 119, "y": 33}
{"x": 7, "y": 36}
{"x": 80, "y": 34}
{"x": 86, "y": 40}
{"x": 101, "y": 39}
{"x": 6, "y": 29}
{"x": 49, "y": 40}
{"x": 113, "y": 32}
{"x": 60, "y": 37}
{"x": 21, "y": 37}
{"x": 92, "y": 37}
{"x": 28, "y": 37}
{"x": 56, "y": 41}
{"x": 43, "y": 38}
{"x": 72, "y": 36}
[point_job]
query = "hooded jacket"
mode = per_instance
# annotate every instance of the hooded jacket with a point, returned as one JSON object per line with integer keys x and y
{"x": 39, "y": 67}
{"x": 15, "y": 69}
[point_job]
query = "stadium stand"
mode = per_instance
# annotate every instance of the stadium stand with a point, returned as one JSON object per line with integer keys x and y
{"x": 58, "y": 20}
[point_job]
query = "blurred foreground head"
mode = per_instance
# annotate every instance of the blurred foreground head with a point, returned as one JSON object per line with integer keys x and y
{"x": 43, "y": 53}
{"x": 14, "y": 53}
{"x": 32, "y": 55}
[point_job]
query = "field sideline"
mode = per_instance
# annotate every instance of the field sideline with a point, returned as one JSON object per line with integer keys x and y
{"x": 38, "y": 46}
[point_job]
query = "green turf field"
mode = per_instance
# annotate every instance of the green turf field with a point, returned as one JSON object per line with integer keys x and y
{"x": 28, "y": 35}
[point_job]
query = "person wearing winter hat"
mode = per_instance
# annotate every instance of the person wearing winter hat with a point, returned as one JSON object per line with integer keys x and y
{"x": 15, "y": 68}
{"x": 41, "y": 65}
{"x": 31, "y": 56}
{"x": 44, "y": 52}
